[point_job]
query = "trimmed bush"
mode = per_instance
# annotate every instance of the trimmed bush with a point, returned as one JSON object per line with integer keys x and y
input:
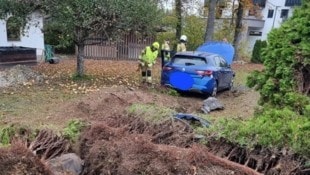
{"x": 257, "y": 51}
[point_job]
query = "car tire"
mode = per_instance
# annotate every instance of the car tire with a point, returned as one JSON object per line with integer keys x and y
{"x": 215, "y": 88}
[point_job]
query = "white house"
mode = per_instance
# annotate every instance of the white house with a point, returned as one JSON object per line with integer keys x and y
{"x": 32, "y": 37}
{"x": 266, "y": 15}
{"x": 260, "y": 19}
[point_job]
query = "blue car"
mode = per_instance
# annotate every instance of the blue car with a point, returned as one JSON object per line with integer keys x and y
{"x": 206, "y": 70}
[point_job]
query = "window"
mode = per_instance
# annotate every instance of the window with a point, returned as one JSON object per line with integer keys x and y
{"x": 261, "y": 3}
{"x": 255, "y": 33}
{"x": 13, "y": 27}
{"x": 284, "y": 13}
{"x": 189, "y": 60}
{"x": 292, "y": 2}
{"x": 270, "y": 13}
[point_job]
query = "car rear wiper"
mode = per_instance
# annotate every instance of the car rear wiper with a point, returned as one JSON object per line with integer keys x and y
{"x": 189, "y": 64}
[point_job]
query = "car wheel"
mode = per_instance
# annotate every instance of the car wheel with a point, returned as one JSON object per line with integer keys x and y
{"x": 214, "y": 91}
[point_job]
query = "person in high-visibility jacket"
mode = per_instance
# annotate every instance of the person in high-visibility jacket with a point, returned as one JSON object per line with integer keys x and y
{"x": 165, "y": 50}
{"x": 146, "y": 61}
{"x": 181, "y": 47}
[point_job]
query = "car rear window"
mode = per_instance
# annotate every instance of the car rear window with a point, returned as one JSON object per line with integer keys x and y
{"x": 189, "y": 60}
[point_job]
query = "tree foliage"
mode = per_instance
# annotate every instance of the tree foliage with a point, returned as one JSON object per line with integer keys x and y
{"x": 193, "y": 28}
{"x": 81, "y": 19}
{"x": 19, "y": 9}
{"x": 286, "y": 78}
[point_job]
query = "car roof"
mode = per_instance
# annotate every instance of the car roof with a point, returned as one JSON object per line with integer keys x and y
{"x": 195, "y": 53}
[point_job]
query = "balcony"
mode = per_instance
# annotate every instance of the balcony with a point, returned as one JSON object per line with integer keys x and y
{"x": 253, "y": 22}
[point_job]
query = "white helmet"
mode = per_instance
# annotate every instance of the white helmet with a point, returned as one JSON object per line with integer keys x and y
{"x": 183, "y": 37}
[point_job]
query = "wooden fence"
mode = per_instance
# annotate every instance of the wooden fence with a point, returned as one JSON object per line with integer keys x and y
{"x": 128, "y": 48}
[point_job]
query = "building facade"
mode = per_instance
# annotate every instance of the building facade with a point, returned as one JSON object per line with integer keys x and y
{"x": 264, "y": 16}
{"x": 33, "y": 37}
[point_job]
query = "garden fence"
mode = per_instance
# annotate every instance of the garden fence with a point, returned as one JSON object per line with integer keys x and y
{"x": 128, "y": 48}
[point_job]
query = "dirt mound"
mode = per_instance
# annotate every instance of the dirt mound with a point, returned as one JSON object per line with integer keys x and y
{"x": 128, "y": 146}
{"x": 19, "y": 160}
{"x": 114, "y": 101}
{"x": 19, "y": 75}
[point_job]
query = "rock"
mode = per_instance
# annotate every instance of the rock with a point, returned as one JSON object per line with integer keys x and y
{"x": 211, "y": 104}
{"x": 54, "y": 60}
{"x": 67, "y": 163}
{"x": 191, "y": 117}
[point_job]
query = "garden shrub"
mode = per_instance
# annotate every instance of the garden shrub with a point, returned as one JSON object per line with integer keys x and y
{"x": 73, "y": 129}
{"x": 274, "y": 128}
{"x": 257, "y": 51}
{"x": 6, "y": 135}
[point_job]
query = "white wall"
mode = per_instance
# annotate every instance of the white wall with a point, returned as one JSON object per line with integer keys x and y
{"x": 275, "y": 21}
{"x": 33, "y": 37}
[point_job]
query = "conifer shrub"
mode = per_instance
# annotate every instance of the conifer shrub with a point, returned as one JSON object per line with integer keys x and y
{"x": 257, "y": 51}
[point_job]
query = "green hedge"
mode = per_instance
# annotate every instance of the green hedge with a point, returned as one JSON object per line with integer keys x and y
{"x": 257, "y": 51}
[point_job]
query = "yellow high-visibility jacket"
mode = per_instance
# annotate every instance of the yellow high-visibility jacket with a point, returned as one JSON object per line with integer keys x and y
{"x": 148, "y": 56}
{"x": 181, "y": 47}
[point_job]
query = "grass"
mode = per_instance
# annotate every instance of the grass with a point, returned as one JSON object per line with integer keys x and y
{"x": 150, "y": 112}
{"x": 28, "y": 106}
{"x": 240, "y": 78}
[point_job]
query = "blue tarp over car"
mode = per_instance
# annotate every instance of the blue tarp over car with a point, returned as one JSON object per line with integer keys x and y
{"x": 224, "y": 49}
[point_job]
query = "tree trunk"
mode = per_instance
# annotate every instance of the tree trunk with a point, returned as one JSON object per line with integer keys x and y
{"x": 80, "y": 60}
{"x": 238, "y": 29}
{"x": 80, "y": 42}
{"x": 232, "y": 13}
{"x": 178, "y": 10}
{"x": 211, "y": 19}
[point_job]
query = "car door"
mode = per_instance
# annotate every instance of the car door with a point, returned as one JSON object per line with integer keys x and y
{"x": 219, "y": 71}
{"x": 227, "y": 73}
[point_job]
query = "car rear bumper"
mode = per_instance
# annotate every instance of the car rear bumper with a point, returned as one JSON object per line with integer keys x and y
{"x": 200, "y": 84}
{"x": 207, "y": 89}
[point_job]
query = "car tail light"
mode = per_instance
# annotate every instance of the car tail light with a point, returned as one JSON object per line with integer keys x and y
{"x": 167, "y": 68}
{"x": 204, "y": 72}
